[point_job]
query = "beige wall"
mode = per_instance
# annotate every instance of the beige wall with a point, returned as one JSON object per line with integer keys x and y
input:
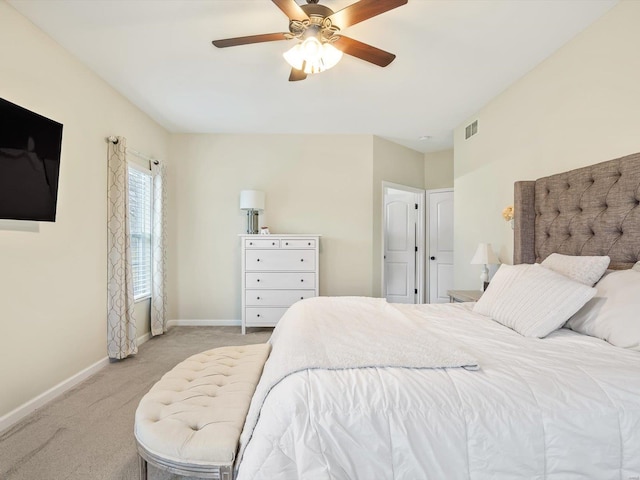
{"x": 53, "y": 275}
{"x": 391, "y": 163}
{"x": 313, "y": 184}
{"x": 577, "y": 108}
{"x": 438, "y": 169}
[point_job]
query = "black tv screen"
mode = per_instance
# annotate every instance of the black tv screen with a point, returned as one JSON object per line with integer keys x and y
{"x": 29, "y": 164}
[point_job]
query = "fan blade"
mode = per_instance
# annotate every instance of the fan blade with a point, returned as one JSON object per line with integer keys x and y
{"x": 232, "y": 42}
{"x": 363, "y": 10}
{"x": 291, "y": 9}
{"x": 364, "y": 51}
{"x": 297, "y": 75}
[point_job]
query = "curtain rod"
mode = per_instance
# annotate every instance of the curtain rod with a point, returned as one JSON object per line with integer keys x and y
{"x": 113, "y": 139}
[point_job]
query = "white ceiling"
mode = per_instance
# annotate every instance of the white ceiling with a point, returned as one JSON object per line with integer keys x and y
{"x": 453, "y": 56}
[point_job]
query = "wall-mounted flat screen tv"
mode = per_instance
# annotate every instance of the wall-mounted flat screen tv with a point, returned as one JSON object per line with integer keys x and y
{"x": 30, "y": 147}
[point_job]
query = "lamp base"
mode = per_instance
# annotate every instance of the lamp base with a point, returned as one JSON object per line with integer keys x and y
{"x": 484, "y": 277}
{"x": 252, "y": 221}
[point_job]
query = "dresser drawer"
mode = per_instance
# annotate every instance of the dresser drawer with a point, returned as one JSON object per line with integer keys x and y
{"x": 261, "y": 243}
{"x": 296, "y": 260}
{"x": 280, "y": 280}
{"x": 276, "y": 298}
{"x": 298, "y": 243}
{"x": 263, "y": 316}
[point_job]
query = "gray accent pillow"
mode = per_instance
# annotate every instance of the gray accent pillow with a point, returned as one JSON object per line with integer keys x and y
{"x": 583, "y": 269}
{"x": 614, "y": 313}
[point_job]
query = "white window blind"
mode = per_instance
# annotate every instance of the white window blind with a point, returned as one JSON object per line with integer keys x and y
{"x": 140, "y": 219}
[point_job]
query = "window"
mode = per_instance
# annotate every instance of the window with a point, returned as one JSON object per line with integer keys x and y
{"x": 140, "y": 220}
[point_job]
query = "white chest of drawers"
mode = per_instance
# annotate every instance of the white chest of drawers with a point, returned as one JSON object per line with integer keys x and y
{"x": 277, "y": 271}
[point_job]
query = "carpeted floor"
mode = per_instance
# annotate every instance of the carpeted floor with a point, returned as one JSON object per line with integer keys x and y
{"x": 87, "y": 433}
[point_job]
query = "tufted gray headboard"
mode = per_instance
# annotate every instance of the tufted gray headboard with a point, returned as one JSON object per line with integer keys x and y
{"x": 593, "y": 210}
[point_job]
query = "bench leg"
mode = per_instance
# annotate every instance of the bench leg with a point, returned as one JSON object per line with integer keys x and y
{"x": 143, "y": 468}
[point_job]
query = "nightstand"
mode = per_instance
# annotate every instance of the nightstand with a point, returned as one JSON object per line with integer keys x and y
{"x": 464, "y": 295}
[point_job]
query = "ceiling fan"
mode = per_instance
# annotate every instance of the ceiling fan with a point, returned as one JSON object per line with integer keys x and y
{"x": 317, "y": 28}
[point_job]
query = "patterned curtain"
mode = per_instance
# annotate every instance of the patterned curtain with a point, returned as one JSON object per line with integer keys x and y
{"x": 158, "y": 299}
{"x": 121, "y": 325}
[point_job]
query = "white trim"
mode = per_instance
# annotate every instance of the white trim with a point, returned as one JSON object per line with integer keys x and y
{"x": 404, "y": 188}
{"x": 204, "y": 323}
{"x": 146, "y": 170}
{"x": 142, "y": 298}
{"x": 144, "y": 338}
{"x": 25, "y": 409}
{"x": 440, "y": 190}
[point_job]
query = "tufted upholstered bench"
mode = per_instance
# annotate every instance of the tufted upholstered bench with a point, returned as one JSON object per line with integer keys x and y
{"x": 189, "y": 423}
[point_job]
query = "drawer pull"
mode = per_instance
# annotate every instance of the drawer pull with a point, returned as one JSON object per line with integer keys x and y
{"x": 302, "y": 259}
{"x": 258, "y": 315}
{"x": 257, "y": 298}
{"x": 257, "y": 279}
{"x": 309, "y": 243}
{"x": 250, "y": 243}
{"x": 258, "y": 260}
{"x": 301, "y": 298}
{"x": 286, "y": 243}
{"x": 273, "y": 243}
{"x": 302, "y": 279}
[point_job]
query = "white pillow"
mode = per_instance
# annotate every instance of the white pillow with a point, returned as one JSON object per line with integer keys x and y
{"x": 636, "y": 267}
{"x": 614, "y": 313}
{"x": 587, "y": 270}
{"x": 531, "y": 299}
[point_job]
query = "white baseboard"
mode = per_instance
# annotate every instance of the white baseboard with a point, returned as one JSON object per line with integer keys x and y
{"x": 204, "y": 323}
{"x": 144, "y": 338}
{"x": 25, "y": 409}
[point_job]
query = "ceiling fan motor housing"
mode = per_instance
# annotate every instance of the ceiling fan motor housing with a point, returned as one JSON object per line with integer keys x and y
{"x": 316, "y": 9}
{"x": 317, "y": 25}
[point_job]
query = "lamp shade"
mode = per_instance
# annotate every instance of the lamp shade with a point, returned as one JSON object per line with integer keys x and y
{"x": 484, "y": 255}
{"x": 251, "y": 200}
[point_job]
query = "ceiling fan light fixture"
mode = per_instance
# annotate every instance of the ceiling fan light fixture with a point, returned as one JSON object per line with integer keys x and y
{"x": 312, "y": 56}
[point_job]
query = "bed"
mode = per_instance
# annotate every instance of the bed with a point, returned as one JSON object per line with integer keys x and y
{"x": 359, "y": 389}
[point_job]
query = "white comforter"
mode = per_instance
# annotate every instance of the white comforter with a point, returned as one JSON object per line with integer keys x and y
{"x": 564, "y": 407}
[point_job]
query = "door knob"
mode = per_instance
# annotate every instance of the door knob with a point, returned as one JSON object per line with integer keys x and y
{"x": 433, "y": 258}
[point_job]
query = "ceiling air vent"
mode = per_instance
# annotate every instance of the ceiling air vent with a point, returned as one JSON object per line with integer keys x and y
{"x": 471, "y": 130}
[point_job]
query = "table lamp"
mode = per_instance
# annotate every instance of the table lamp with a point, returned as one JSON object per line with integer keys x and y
{"x": 252, "y": 201}
{"x": 484, "y": 256}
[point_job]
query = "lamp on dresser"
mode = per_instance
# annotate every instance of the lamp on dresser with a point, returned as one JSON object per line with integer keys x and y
{"x": 484, "y": 256}
{"x": 252, "y": 201}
